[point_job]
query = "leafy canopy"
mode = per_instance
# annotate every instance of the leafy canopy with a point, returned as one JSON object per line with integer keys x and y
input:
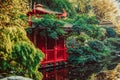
{"x": 17, "y": 53}
{"x": 49, "y": 26}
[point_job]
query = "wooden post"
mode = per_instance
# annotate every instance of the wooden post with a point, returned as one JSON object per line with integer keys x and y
{"x": 34, "y": 10}
{"x": 55, "y": 52}
{"x": 35, "y": 36}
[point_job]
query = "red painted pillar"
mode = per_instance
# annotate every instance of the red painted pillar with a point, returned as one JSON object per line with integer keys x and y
{"x": 34, "y": 10}
{"x": 55, "y": 52}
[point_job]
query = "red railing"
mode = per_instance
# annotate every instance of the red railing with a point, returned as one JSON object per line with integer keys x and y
{"x": 57, "y": 53}
{"x": 55, "y": 50}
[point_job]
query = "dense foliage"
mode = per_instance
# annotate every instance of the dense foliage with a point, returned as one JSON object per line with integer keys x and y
{"x": 10, "y": 12}
{"x": 89, "y": 51}
{"x": 110, "y": 32}
{"x": 113, "y": 44}
{"x": 81, "y": 6}
{"x": 49, "y": 26}
{"x": 18, "y": 56}
{"x": 23, "y": 62}
{"x": 89, "y": 43}
{"x": 88, "y": 25}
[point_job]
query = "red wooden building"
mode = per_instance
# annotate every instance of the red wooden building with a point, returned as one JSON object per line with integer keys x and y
{"x": 55, "y": 50}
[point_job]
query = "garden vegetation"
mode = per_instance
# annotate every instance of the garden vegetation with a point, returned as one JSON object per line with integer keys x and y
{"x": 18, "y": 56}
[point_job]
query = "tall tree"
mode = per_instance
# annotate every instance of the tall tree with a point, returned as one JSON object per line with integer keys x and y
{"x": 17, "y": 53}
{"x": 81, "y": 6}
{"x": 107, "y": 10}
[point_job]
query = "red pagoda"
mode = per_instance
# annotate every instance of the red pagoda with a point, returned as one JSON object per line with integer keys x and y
{"x": 55, "y": 50}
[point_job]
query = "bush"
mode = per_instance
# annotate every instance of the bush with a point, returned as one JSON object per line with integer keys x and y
{"x": 85, "y": 44}
{"x": 113, "y": 44}
{"x": 84, "y": 52}
{"x": 25, "y": 64}
{"x": 97, "y": 45}
{"x": 88, "y": 25}
{"x": 18, "y": 54}
{"x": 75, "y": 41}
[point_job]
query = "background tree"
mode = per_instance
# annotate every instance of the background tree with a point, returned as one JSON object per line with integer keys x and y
{"x": 81, "y": 6}
{"x": 17, "y": 53}
{"x": 107, "y": 10}
{"x": 91, "y": 44}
